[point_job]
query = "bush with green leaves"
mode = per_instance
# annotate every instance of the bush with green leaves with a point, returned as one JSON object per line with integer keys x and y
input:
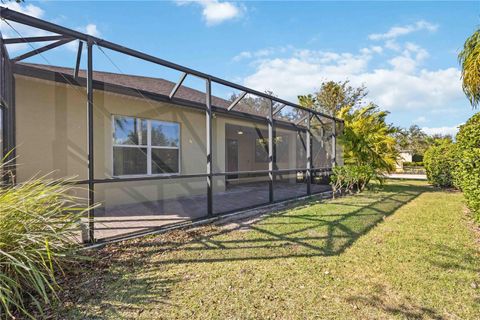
{"x": 467, "y": 171}
{"x": 439, "y": 161}
{"x": 38, "y": 221}
{"x": 413, "y": 164}
{"x": 367, "y": 139}
{"x": 352, "y": 177}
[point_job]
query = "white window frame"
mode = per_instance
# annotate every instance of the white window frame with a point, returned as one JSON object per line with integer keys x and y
{"x": 148, "y": 146}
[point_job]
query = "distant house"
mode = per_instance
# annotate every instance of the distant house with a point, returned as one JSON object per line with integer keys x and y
{"x": 404, "y": 156}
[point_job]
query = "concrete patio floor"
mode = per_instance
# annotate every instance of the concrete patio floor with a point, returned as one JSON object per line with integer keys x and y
{"x": 128, "y": 219}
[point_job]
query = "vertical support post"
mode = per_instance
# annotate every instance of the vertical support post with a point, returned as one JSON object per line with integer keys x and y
{"x": 79, "y": 58}
{"x": 208, "y": 114}
{"x": 334, "y": 143}
{"x": 91, "y": 197}
{"x": 309, "y": 156}
{"x": 270, "y": 152}
{"x": 7, "y": 101}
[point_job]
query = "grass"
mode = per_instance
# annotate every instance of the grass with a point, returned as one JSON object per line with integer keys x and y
{"x": 406, "y": 251}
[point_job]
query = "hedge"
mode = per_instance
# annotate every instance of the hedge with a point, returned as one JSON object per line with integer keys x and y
{"x": 467, "y": 171}
{"x": 440, "y": 161}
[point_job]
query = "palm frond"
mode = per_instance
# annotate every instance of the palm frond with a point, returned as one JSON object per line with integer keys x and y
{"x": 469, "y": 59}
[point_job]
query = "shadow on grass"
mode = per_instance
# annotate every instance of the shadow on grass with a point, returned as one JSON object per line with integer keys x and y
{"x": 311, "y": 230}
{"x": 112, "y": 288}
{"x": 449, "y": 258}
{"x": 405, "y": 308}
{"x": 124, "y": 278}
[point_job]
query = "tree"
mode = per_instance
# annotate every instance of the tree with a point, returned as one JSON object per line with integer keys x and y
{"x": 332, "y": 96}
{"x": 253, "y": 104}
{"x": 469, "y": 59}
{"x": 369, "y": 144}
{"x": 413, "y": 139}
{"x": 401, "y": 136}
{"x": 367, "y": 138}
{"x": 418, "y": 139}
{"x": 438, "y": 139}
{"x": 307, "y": 101}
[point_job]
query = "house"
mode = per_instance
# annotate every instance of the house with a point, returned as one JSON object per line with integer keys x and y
{"x": 150, "y": 151}
{"x": 404, "y": 156}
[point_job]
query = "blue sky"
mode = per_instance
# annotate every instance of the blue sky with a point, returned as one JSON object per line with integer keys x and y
{"x": 403, "y": 52}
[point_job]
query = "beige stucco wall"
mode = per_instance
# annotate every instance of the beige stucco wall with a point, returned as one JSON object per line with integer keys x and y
{"x": 52, "y": 138}
{"x": 50, "y": 130}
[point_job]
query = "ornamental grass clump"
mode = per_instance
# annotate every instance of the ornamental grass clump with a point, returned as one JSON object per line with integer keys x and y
{"x": 38, "y": 221}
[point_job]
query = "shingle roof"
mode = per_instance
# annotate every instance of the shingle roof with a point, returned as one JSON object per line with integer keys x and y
{"x": 153, "y": 85}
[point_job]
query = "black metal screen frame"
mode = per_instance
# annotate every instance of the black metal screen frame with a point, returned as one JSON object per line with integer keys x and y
{"x": 65, "y": 35}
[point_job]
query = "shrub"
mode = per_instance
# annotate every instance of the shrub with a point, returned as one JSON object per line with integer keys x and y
{"x": 37, "y": 221}
{"x": 413, "y": 164}
{"x": 367, "y": 139}
{"x": 467, "y": 171}
{"x": 351, "y": 177}
{"x": 439, "y": 161}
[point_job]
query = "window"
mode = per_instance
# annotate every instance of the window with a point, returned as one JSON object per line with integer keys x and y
{"x": 145, "y": 147}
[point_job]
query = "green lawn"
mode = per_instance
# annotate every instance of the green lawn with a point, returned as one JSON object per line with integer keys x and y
{"x": 406, "y": 251}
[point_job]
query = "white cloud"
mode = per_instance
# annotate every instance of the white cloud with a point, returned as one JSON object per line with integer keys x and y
{"x": 377, "y": 49}
{"x": 403, "y": 85}
{"x": 392, "y": 45}
{"x": 409, "y": 58}
{"x": 442, "y": 130}
{"x": 21, "y": 30}
{"x": 91, "y": 29}
{"x": 28, "y": 9}
{"x": 26, "y": 31}
{"x": 396, "y": 32}
{"x": 421, "y": 119}
{"x": 214, "y": 11}
{"x": 262, "y": 53}
{"x": 242, "y": 55}
{"x": 305, "y": 69}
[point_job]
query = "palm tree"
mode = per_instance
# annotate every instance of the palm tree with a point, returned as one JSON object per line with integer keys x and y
{"x": 469, "y": 59}
{"x": 367, "y": 138}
